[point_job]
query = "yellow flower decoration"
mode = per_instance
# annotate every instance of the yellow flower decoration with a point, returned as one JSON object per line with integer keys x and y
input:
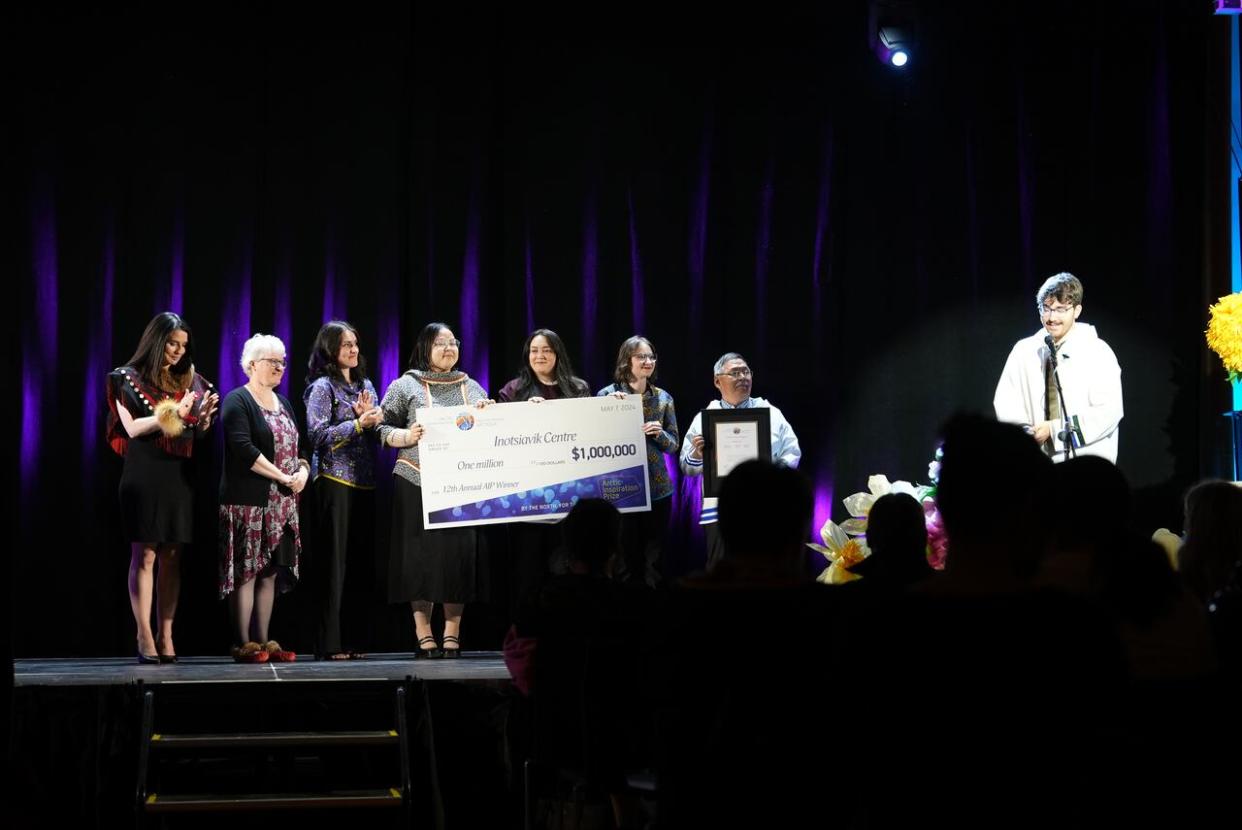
{"x": 842, "y": 552}
{"x": 1224, "y": 333}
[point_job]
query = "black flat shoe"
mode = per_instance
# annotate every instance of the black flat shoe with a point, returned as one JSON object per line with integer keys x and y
{"x": 428, "y": 653}
{"x": 453, "y": 652}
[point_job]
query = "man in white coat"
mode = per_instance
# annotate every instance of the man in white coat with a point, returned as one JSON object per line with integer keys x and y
{"x": 1089, "y": 409}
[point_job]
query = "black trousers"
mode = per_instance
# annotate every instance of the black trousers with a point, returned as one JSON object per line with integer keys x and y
{"x": 715, "y": 545}
{"x": 344, "y": 521}
{"x": 642, "y": 545}
{"x": 532, "y": 546}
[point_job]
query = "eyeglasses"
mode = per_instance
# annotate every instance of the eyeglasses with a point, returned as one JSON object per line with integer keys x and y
{"x": 276, "y": 364}
{"x": 1055, "y": 311}
{"x": 645, "y": 358}
{"x": 446, "y": 344}
{"x": 737, "y": 374}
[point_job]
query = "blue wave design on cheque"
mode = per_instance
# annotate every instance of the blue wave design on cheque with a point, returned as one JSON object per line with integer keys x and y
{"x": 624, "y": 488}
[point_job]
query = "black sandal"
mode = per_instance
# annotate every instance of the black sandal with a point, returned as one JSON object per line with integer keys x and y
{"x": 429, "y": 653}
{"x": 455, "y": 651}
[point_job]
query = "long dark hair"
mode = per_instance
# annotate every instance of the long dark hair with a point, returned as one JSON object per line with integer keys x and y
{"x": 1208, "y": 560}
{"x": 420, "y": 357}
{"x": 148, "y": 358}
{"x": 571, "y": 386}
{"x": 327, "y": 350}
{"x": 624, "y": 373}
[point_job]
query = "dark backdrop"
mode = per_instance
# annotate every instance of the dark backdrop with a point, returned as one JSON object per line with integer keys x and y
{"x": 870, "y": 239}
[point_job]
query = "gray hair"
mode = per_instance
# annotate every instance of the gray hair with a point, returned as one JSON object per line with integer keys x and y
{"x": 258, "y": 345}
{"x": 725, "y": 358}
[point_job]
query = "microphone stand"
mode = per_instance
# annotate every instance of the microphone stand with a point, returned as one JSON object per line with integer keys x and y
{"x": 1067, "y": 433}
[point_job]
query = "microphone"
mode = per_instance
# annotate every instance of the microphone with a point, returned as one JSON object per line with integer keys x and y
{"x": 1052, "y": 350}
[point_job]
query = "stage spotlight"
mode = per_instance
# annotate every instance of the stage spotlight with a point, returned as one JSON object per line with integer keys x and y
{"x": 892, "y": 28}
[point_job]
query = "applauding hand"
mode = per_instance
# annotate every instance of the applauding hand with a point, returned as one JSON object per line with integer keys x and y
{"x": 186, "y": 405}
{"x": 365, "y": 403}
{"x": 207, "y": 411}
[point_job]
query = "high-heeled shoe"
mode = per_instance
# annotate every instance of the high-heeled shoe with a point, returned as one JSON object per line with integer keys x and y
{"x": 455, "y": 651}
{"x": 163, "y": 658}
{"x": 428, "y": 653}
{"x": 147, "y": 659}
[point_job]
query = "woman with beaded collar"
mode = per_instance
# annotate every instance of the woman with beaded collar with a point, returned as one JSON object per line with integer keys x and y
{"x": 440, "y": 566}
{"x": 157, "y": 407}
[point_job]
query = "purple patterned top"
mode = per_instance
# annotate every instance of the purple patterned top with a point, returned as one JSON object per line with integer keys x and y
{"x": 341, "y": 451}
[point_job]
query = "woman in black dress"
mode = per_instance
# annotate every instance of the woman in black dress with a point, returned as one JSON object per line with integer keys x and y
{"x": 157, "y": 406}
{"x": 437, "y": 566}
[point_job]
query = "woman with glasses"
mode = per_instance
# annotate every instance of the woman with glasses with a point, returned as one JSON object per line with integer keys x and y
{"x": 545, "y": 373}
{"x": 260, "y": 541}
{"x": 440, "y": 566}
{"x": 642, "y": 534}
{"x": 341, "y": 417}
{"x": 158, "y": 406}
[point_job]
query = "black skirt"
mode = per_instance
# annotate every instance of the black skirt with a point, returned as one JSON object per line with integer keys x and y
{"x": 157, "y": 501}
{"x": 429, "y": 565}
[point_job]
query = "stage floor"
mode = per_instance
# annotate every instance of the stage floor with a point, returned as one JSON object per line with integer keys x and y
{"x": 120, "y": 671}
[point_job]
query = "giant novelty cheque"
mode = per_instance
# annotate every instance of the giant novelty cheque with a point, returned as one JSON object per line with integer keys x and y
{"x": 512, "y": 462}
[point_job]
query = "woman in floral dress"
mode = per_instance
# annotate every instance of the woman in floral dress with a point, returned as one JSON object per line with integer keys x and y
{"x": 259, "y": 486}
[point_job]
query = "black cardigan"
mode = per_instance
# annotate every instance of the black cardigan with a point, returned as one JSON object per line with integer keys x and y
{"x": 246, "y": 436}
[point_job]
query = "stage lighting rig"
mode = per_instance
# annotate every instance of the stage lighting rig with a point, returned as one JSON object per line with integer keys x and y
{"x": 893, "y": 31}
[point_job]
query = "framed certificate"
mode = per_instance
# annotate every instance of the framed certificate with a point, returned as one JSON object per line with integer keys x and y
{"x": 732, "y": 436}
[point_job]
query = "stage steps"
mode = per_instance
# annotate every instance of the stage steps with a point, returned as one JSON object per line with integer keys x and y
{"x": 272, "y": 801}
{"x": 290, "y": 769}
{"x": 276, "y": 739}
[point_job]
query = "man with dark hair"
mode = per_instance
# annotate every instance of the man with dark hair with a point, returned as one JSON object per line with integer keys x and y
{"x": 996, "y": 533}
{"x": 744, "y": 650}
{"x": 1089, "y": 409}
{"x": 765, "y": 518}
{"x": 1023, "y": 683}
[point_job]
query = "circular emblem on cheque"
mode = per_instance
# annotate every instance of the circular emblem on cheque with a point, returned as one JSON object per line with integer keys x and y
{"x": 464, "y": 421}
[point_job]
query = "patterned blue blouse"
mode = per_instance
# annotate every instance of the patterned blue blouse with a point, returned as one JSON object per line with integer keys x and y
{"x": 342, "y": 451}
